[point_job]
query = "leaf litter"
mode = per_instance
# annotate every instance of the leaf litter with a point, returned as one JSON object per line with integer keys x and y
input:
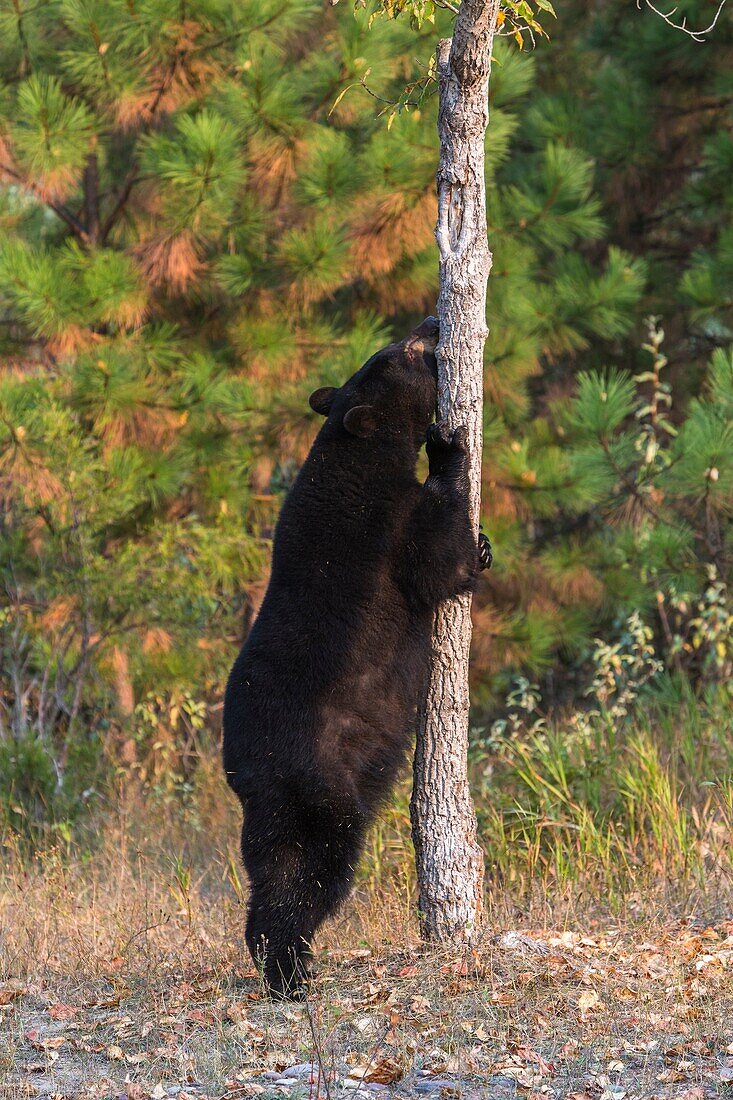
{"x": 602, "y": 1017}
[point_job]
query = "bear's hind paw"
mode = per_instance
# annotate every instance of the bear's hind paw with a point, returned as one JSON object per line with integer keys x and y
{"x": 485, "y": 555}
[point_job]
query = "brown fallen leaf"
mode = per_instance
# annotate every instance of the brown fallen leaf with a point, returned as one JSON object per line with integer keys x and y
{"x": 87, "y": 1048}
{"x": 587, "y": 1000}
{"x": 384, "y": 1072}
{"x": 106, "y": 1002}
{"x": 671, "y": 1076}
{"x": 62, "y": 1012}
{"x": 198, "y": 1016}
{"x": 626, "y": 993}
{"x": 53, "y": 1042}
{"x": 503, "y": 998}
{"x": 11, "y": 992}
{"x": 459, "y": 968}
{"x": 528, "y": 1055}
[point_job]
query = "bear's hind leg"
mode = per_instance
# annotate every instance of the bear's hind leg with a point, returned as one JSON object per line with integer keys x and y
{"x": 301, "y": 865}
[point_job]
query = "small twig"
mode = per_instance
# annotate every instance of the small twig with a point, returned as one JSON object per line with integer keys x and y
{"x": 143, "y": 932}
{"x": 396, "y": 104}
{"x": 375, "y": 1050}
{"x": 510, "y": 30}
{"x": 696, "y": 36}
{"x": 132, "y": 176}
{"x": 91, "y": 196}
{"x": 121, "y": 202}
{"x": 322, "y": 1074}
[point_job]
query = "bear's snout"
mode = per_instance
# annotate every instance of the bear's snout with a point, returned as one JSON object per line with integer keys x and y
{"x": 425, "y": 336}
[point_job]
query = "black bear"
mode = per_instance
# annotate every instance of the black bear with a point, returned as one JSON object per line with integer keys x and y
{"x": 321, "y": 702}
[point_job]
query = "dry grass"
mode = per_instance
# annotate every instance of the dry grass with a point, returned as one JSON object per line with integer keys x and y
{"x": 122, "y": 973}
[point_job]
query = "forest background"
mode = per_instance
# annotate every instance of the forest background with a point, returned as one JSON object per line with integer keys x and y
{"x": 211, "y": 207}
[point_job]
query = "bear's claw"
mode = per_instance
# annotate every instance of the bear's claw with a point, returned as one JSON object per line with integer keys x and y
{"x": 437, "y": 439}
{"x": 485, "y": 555}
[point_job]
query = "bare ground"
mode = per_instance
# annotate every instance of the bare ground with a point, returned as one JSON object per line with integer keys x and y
{"x": 149, "y": 1000}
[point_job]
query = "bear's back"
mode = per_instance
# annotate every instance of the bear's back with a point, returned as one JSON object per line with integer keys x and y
{"x": 330, "y": 671}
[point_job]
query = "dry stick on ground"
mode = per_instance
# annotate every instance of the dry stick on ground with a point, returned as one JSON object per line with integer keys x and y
{"x": 450, "y": 863}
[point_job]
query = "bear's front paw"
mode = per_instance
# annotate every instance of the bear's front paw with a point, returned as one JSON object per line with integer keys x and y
{"x": 438, "y": 438}
{"x": 485, "y": 555}
{"x": 445, "y": 448}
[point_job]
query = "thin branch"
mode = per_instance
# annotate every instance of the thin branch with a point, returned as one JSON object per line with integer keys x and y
{"x": 132, "y": 176}
{"x": 66, "y": 216}
{"x": 226, "y": 39}
{"x": 20, "y": 14}
{"x": 635, "y": 490}
{"x": 696, "y": 36}
{"x": 388, "y": 102}
{"x": 322, "y": 1072}
{"x": 396, "y": 104}
{"x": 130, "y": 180}
{"x": 91, "y": 196}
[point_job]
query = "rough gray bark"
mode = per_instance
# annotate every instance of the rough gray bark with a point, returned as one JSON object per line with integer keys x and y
{"x": 450, "y": 864}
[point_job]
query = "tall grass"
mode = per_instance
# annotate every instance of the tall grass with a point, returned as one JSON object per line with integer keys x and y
{"x": 614, "y": 808}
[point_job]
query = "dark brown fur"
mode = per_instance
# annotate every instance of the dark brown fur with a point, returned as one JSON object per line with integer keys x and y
{"x": 320, "y": 705}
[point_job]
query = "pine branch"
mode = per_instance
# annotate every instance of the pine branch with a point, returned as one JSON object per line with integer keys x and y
{"x": 634, "y": 490}
{"x": 227, "y": 39}
{"x": 133, "y": 175}
{"x": 22, "y": 37}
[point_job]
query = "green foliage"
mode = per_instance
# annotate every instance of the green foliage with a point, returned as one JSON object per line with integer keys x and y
{"x": 603, "y": 403}
{"x": 28, "y": 782}
{"x": 200, "y": 169}
{"x": 51, "y": 133}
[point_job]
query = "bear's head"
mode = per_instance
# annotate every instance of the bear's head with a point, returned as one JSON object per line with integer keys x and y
{"x": 393, "y": 395}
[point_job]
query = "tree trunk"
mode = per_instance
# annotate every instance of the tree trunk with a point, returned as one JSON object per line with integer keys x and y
{"x": 450, "y": 864}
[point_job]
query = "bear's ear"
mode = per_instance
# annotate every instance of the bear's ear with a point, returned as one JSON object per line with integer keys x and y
{"x": 361, "y": 421}
{"x": 321, "y": 400}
